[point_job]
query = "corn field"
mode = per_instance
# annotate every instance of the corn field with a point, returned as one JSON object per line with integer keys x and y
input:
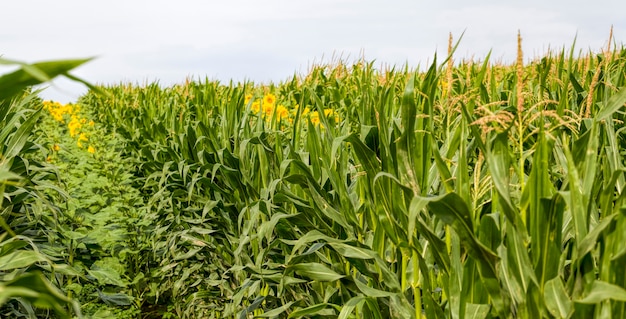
{"x": 469, "y": 189}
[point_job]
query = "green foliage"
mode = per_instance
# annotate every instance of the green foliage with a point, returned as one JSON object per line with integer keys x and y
{"x": 24, "y": 178}
{"x": 99, "y": 230}
{"x": 471, "y": 191}
{"x": 424, "y": 199}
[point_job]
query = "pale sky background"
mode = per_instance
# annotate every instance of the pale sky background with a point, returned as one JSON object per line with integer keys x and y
{"x": 142, "y": 41}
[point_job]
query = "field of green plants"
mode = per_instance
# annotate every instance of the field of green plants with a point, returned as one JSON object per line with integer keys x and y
{"x": 471, "y": 189}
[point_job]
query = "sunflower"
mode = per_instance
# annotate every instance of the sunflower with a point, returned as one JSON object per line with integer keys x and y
{"x": 269, "y": 99}
{"x": 255, "y": 107}
{"x": 282, "y": 112}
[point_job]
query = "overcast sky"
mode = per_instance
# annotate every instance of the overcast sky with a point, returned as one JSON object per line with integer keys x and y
{"x": 140, "y": 40}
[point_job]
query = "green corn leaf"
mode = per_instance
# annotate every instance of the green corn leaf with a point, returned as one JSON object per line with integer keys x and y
{"x": 601, "y": 291}
{"x": 115, "y": 299}
{"x": 21, "y": 259}
{"x": 372, "y": 292}
{"x": 591, "y": 239}
{"x": 453, "y": 211}
{"x": 315, "y": 271}
{"x": 107, "y": 276}
{"x": 615, "y": 102}
{"x": 5, "y": 176}
{"x": 557, "y": 299}
{"x": 36, "y": 289}
{"x": 498, "y": 159}
{"x": 348, "y": 307}
{"x": 389, "y": 278}
{"x": 266, "y": 228}
{"x": 275, "y": 312}
{"x": 519, "y": 262}
{"x": 7, "y": 293}
{"x": 28, "y": 75}
{"x": 17, "y": 141}
{"x": 549, "y": 238}
{"x": 309, "y": 311}
{"x": 408, "y": 142}
{"x": 350, "y": 251}
{"x": 476, "y": 311}
{"x": 575, "y": 199}
{"x": 366, "y": 156}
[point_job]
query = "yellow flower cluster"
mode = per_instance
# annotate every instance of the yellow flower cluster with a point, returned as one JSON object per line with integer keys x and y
{"x": 267, "y": 107}
{"x": 58, "y": 110}
{"x": 61, "y": 113}
{"x": 74, "y": 125}
{"x": 314, "y": 116}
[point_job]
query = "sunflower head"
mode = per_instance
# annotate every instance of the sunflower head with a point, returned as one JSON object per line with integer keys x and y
{"x": 269, "y": 99}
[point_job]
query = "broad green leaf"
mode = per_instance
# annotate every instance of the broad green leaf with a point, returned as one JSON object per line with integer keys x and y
{"x": 366, "y": 156}
{"x": 35, "y": 288}
{"x": 107, "y": 276}
{"x": 312, "y": 236}
{"x": 615, "y": 102}
{"x": 575, "y": 199}
{"x": 372, "y": 292}
{"x": 410, "y": 168}
{"x": 601, "y": 291}
{"x": 454, "y": 212}
{"x": 556, "y": 298}
{"x": 308, "y": 311}
{"x": 348, "y": 307}
{"x": 17, "y": 141}
{"x": 7, "y": 293}
{"x": 5, "y": 175}
{"x": 591, "y": 240}
{"x": 498, "y": 158}
{"x": 266, "y": 228}
{"x": 389, "y": 278}
{"x": 519, "y": 262}
{"x": 115, "y": 299}
{"x": 329, "y": 210}
{"x": 400, "y": 307}
{"x": 476, "y": 311}
{"x": 443, "y": 170}
{"x": 351, "y": 251}
{"x": 189, "y": 254}
{"x": 276, "y": 312}
{"x": 537, "y": 188}
{"x": 439, "y": 249}
{"x": 20, "y": 259}
{"x": 33, "y": 74}
{"x": 252, "y": 307}
{"x": 315, "y": 271}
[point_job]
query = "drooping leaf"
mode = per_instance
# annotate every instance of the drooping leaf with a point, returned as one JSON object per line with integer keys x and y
{"x": 20, "y": 259}
{"x": 115, "y": 299}
{"x": 308, "y": 311}
{"x": 31, "y": 74}
{"x": 615, "y": 102}
{"x": 601, "y": 291}
{"x": 348, "y": 307}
